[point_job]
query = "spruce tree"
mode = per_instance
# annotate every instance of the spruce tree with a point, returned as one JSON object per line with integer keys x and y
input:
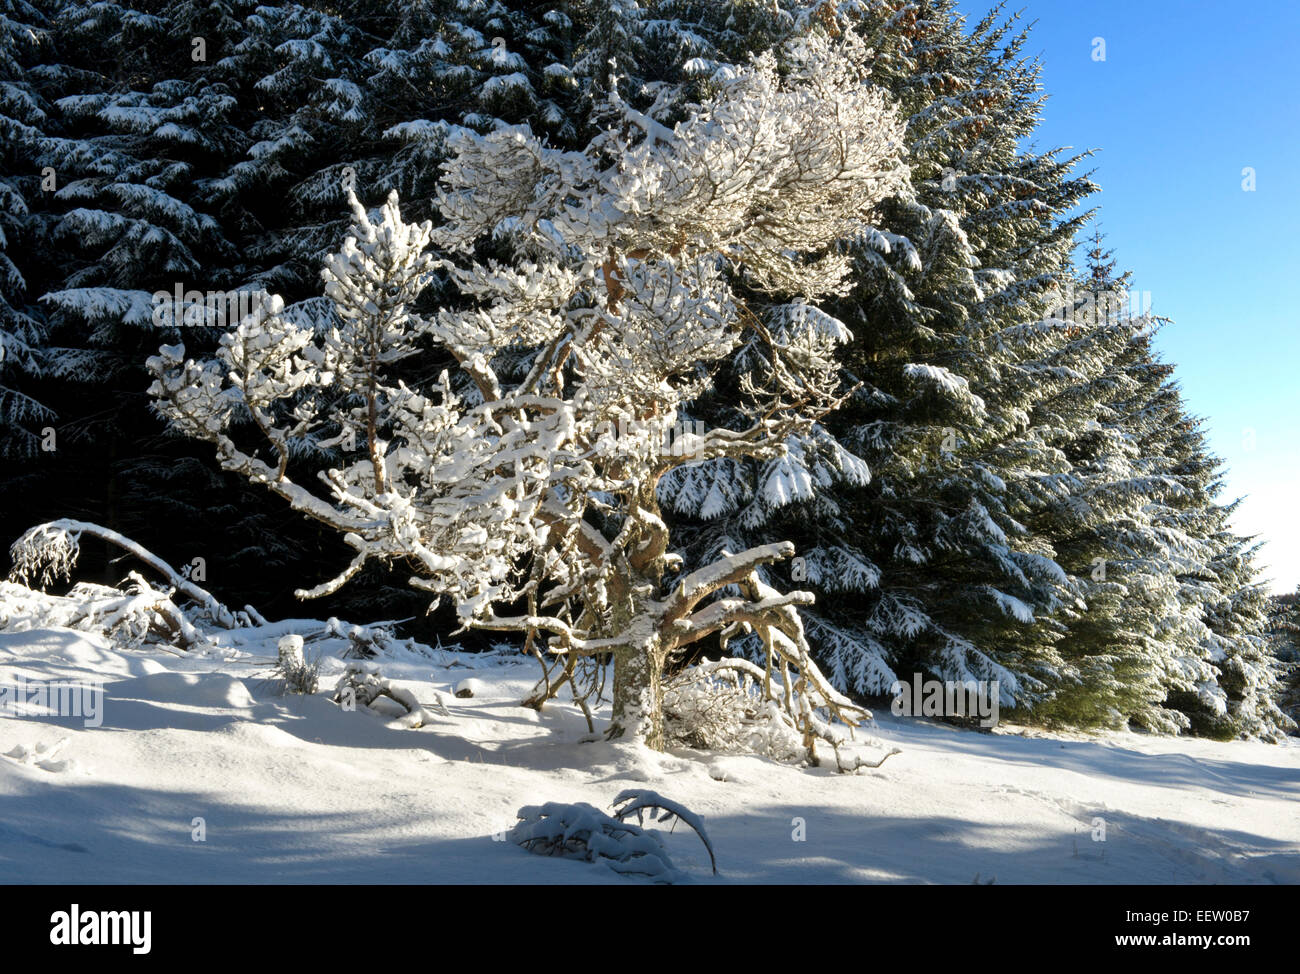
{"x": 906, "y": 504}
{"x": 1283, "y": 634}
{"x": 25, "y": 355}
{"x": 1099, "y": 516}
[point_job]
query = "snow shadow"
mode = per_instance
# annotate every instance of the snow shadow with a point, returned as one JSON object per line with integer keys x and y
{"x": 103, "y": 834}
{"x": 1108, "y": 759}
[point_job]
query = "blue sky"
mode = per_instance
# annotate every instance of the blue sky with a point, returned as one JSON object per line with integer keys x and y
{"x": 1190, "y": 93}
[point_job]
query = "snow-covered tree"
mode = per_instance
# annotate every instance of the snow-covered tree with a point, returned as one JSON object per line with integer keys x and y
{"x": 27, "y": 355}
{"x": 1169, "y": 632}
{"x": 907, "y": 504}
{"x": 1127, "y": 618}
{"x": 1237, "y": 617}
{"x": 1284, "y": 641}
{"x": 598, "y": 288}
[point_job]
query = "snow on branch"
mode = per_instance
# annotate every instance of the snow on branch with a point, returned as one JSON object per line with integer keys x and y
{"x": 136, "y": 614}
{"x": 582, "y": 831}
{"x": 637, "y": 801}
{"x": 49, "y": 551}
{"x": 362, "y": 683}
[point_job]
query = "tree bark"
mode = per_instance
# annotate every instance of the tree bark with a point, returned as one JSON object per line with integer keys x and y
{"x": 638, "y": 694}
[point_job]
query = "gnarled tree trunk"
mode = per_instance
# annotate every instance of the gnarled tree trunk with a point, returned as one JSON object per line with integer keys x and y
{"x": 638, "y": 693}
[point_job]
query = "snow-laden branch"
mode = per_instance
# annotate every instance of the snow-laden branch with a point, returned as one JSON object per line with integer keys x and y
{"x": 49, "y": 551}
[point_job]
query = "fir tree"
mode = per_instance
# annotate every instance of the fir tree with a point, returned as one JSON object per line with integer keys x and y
{"x": 1103, "y": 516}
{"x": 24, "y": 353}
{"x": 906, "y": 504}
{"x": 1284, "y": 641}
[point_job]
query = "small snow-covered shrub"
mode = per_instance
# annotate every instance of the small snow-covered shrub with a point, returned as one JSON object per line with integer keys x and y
{"x": 733, "y": 705}
{"x": 582, "y": 831}
{"x": 362, "y": 683}
{"x": 469, "y": 687}
{"x": 712, "y": 708}
{"x": 295, "y": 672}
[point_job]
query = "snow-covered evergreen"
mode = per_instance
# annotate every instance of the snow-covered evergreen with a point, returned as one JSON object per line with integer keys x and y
{"x": 905, "y": 504}
{"x": 1283, "y": 632}
{"x": 25, "y": 353}
{"x": 997, "y": 502}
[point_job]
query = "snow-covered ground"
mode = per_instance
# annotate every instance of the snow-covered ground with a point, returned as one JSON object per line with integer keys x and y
{"x": 295, "y": 789}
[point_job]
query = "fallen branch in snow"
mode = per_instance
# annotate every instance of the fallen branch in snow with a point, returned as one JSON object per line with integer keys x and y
{"x": 362, "y": 683}
{"x": 128, "y": 618}
{"x": 581, "y": 831}
{"x": 636, "y": 801}
{"x": 49, "y": 551}
{"x": 366, "y": 641}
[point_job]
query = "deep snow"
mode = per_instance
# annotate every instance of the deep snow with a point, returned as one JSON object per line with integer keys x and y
{"x": 294, "y": 789}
